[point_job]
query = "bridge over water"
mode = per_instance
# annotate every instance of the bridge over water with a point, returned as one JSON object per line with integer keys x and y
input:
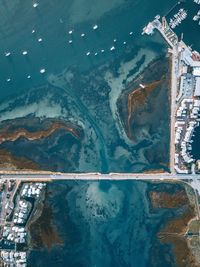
{"x": 97, "y": 176}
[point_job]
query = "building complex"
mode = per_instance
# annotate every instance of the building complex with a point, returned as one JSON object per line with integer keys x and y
{"x": 20, "y": 201}
{"x": 186, "y": 91}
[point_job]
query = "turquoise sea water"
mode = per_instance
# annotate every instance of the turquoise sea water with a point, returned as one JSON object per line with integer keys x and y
{"x": 104, "y": 225}
{"x": 126, "y": 236}
{"x": 52, "y": 22}
{"x": 88, "y": 97}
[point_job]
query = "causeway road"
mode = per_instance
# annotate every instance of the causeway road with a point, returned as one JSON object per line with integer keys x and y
{"x": 33, "y": 177}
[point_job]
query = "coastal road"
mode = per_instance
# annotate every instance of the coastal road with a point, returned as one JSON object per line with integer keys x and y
{"x": 33, "y": 177}
{"x": 173, "y": 107}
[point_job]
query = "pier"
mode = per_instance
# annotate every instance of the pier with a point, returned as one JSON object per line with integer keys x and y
{"x": 164, "y": 29}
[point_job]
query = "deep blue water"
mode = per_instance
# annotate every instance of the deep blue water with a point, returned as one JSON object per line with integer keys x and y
{"x": 55, "y": 53}
{"x": 188, "y": 27}
{"x": 196, "y": 144}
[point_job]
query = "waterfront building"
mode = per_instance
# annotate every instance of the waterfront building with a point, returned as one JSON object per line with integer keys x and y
{"x": 14, "y": 228}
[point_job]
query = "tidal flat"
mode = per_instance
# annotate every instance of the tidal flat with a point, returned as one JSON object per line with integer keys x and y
{"x": 95, "y": 128}
{"x": 112, "y": 224}
{"x": 80, "y": 90}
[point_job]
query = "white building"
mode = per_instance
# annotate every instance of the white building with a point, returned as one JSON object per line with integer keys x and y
{"x": 197, "y": 86}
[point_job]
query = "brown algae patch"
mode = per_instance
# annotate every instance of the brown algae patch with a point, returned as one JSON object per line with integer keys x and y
{"x": 9, "y": 162}
{"x": 8, "y": 133}
{"x": 138, "y": 106}
{"x": 31, "y": 129}
{"x": 166, "y": 200}
{"x": 43, "y": 233}
{"x": 137, "y": 99}
{"x": 174, "y": 233}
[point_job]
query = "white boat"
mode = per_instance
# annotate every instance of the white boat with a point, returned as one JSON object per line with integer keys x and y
{"x": 29, "y": 76}
{"x": 70, "y": 32}
{"x": 96, "y": 54}
{"x": 173, "y": 25}
{"x": 8, "y": 80}
{"x": 39, "y": 40}
{"x": 24, "y": 53}
{"x": 35, "y": 4}
{"x": 124, "y": 43}
{"x": 115, "y": 40}
{"x": 42, "y": 71}
{"x": 7, "y": 54}
{"x": 95, "y": 27}
{"x": 184, "y": 16}
{"x": 82, "y": 34}
{"x": 195, "y": 18}
{"x": 88, "y": 53}
{"x": 70, "y": 41}
{"x": 198, "y": 13}
{"x": 102, "y": 50}
{"x": 130, "y": 33}
{"x": 112, "y": 48}
{"x": 33, "y": 30}
{"x": 179, "y": 20}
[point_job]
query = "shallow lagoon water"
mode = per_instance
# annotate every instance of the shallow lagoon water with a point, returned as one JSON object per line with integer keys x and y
{"x": 125, "y": 237}
{"x": 52, "y": 22}
{"x": 110, "y": 227}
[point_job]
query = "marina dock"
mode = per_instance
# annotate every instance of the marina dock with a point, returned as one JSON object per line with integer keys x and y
{"x": 185, "y": 97}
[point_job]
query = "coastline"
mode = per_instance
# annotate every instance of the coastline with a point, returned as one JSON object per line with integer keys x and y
{"x": 175, "y": 231}
{"x": 141, "y": 114}
{"x": 169, "y": 214}
{"x": 173, "y": 212}
{"x": 42, "y": 234}
{"x": 22, "y": 134}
